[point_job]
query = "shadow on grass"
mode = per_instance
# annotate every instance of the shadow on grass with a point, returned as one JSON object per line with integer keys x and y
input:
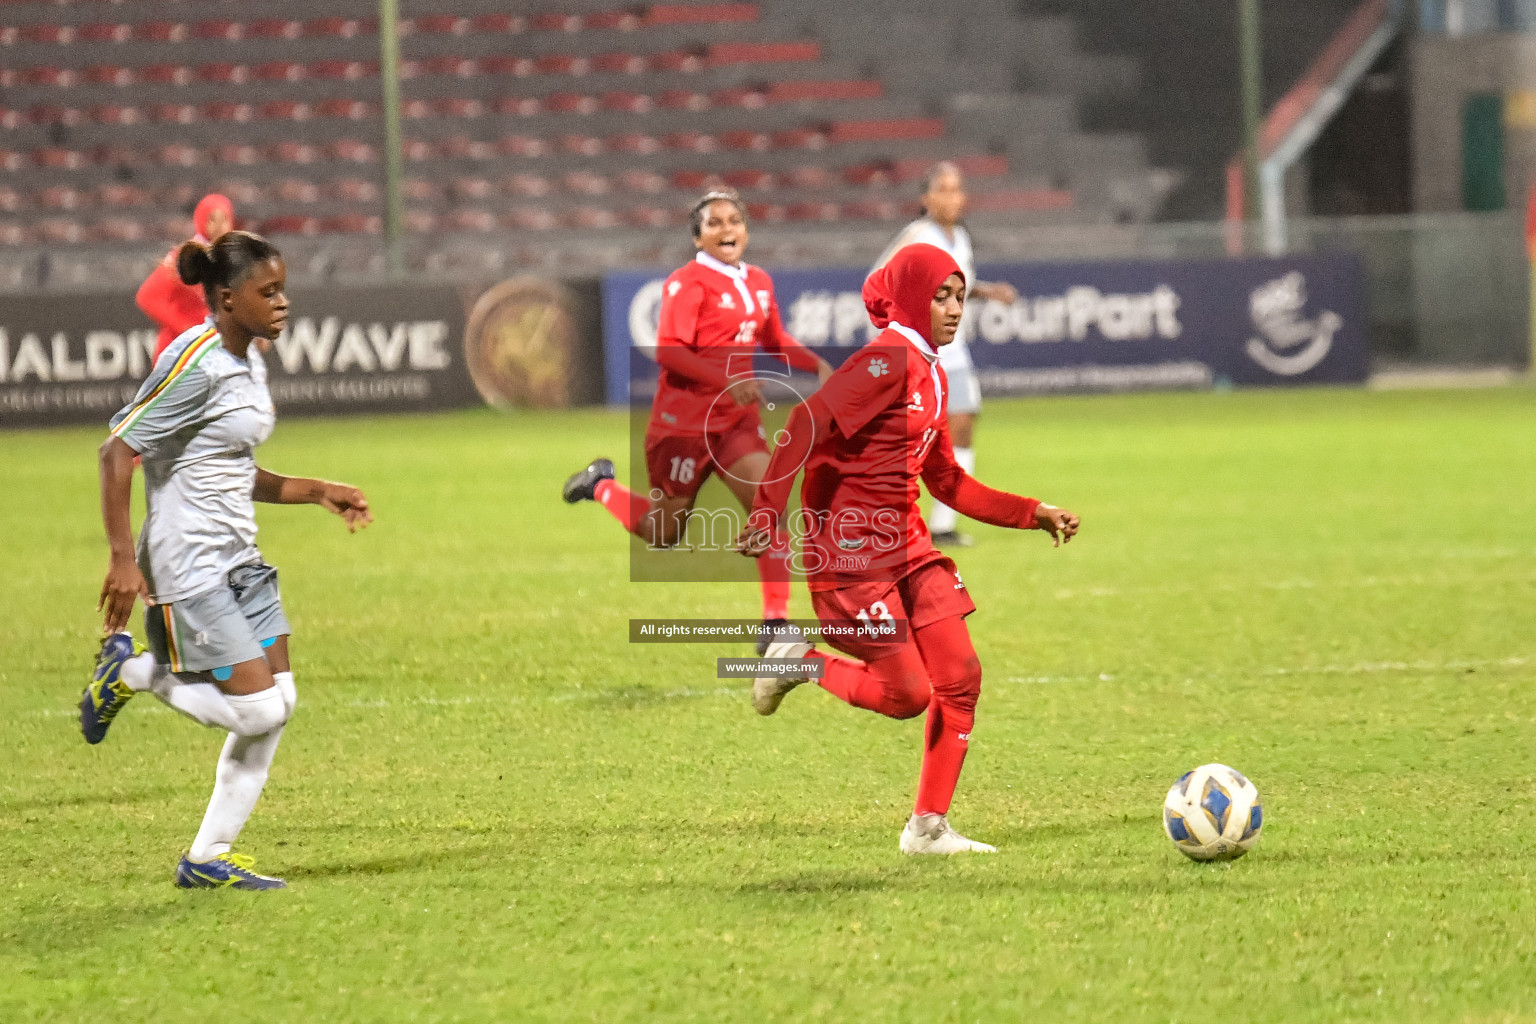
{"x": 817, "y": 883}
{"x": 391, "y": 865}
{"x": 114, "y": 798}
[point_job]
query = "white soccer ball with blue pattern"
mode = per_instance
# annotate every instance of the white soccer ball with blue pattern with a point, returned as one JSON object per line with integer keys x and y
{"x": 1213, "y": 813}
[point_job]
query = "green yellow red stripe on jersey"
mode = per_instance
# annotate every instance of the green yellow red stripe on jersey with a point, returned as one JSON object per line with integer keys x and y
{"x": 189, "y": 358}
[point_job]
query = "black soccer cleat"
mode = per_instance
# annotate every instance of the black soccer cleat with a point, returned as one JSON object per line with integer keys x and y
{"x": 774, "y": 631}
{"x": 580, "y": 486}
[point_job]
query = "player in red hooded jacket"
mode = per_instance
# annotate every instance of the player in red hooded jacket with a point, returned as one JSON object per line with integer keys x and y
{"x": 174, "y": 306}
{"x": 882, "y": 592}
{"x": 715, "y": 313}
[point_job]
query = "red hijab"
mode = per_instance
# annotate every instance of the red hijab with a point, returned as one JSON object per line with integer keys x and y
{"x": 206, "y": 206}
{"x": 902, "y": 290}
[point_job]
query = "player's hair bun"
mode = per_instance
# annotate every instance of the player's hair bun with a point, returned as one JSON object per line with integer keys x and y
{"x": 194, "y": 263}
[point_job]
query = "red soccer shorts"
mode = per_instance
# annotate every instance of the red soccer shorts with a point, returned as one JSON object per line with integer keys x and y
{"x": 679, "y": 465}
{"x": 932, "y": 591}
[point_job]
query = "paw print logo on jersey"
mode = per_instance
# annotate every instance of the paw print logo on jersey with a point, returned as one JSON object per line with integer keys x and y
{"x": 878, "y": 368}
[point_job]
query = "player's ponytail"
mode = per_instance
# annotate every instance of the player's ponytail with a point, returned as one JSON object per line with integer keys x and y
{"x": 223, "y": 264}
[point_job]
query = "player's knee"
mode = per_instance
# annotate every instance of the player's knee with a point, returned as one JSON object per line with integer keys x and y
{"x": 960, "y": 687}
{"x": 258, "y": 713}
{"x": 911, "y": 699}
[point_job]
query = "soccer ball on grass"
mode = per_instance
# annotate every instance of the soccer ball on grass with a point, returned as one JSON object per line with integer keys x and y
{"x": 1213, "y": 813}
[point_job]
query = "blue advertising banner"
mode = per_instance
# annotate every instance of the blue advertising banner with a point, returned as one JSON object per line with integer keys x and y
{"x": 1076, "y": 327}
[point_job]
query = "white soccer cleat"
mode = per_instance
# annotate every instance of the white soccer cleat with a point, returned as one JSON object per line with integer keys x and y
{"x": 930, "y": 833}
{"x": 768, "y": 691}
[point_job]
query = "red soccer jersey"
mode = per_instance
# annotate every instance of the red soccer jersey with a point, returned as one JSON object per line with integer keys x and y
{"x": 712, "y": 318}
{"x": 861, "y": 479}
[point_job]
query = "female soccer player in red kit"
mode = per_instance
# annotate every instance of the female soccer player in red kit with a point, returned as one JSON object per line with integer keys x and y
{"x": 175, "y": 306}
{"x": 715, "y": 312}
{"x": 883, "y": 593}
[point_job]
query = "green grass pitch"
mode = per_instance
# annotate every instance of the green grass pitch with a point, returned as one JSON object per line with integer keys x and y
{"x": 491, "y": 807}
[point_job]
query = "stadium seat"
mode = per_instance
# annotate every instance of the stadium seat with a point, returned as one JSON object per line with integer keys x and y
{"x": 12, "y": 233}
{"x": 521, "y": 145}
{"x": 352, "y": 190}
{"x": 680, "y": 61}
{"x": 690, "y": 181}
{"x": 871, "y": 209}
{"x": 47, "y": 75}
{"x": 338, "y": 27}
{"x": 696, "y": 142}
{"x": 240, "y": 191}
{"x": 553, "y": 21}
{"x": 108, "y": 74}
{"x": 293, "y": 151}
{"x": 586, "y": 183}
{"x": 115, "y": 155}
{"x": 470, "y": 219}
{"x": 619, "y": 64}
{"x": 683, "y": 99}
{"x": 290, "y": 224}
{"x": 611, "y": 21}
{"x": 745, "y": 97}
{"x": 160, "y": 32}
{"x": 581, "y": 145}
{"x": 498, "y": 23}
{"x": 280, "y": 71}
{"x": 220, "y": 29}
{"x": 458, "y": 106}
{"x": 520, "y": 67}
{"x": 343, "y": 70}
{"x": 172, "y": 113}
{"x": 60, "y": 231}
{"x": 49, "y": 113}
{"x": 352, "y": 151}
{"x": 284, "y": 110}
{"x": 10, "y": 199}
{"x": 117, "y": 229}
{"x": 695, "y": 14}
{"x": 417, "y": 150}
{"x": 638, "y": 180}
{"x": 526, "y": 218}
{"x": 634, "y": 142}
{"x": 745, "y": 140}
{"x": 59, "y": 159}
{"x": 767, "y": 213}
{"x": 592, "y": 217}
{"x": 625, "y": 102}
{"x": 800, "y": 138}
{"x": 177, "y": 154}
{"x": 439, "y": 24}
{"x": 529, "y": 186}
{"x": 723, "y": 54}
{"x": 114, "y": 113}
{"x": 420, "y": 221}
{"x": 352, "y": 110}
{"x": 518, "y": 106}
{"x": 748, "y": 178}
{"x": 237, "y": 153}
{"x": 813, "y": 211}
{"x": 46, "y": 32}
{"x": 462, "y": 147}
{"x": 791, "y": 92}
{"x": 104, "y": 32}
{"x": 649, "y": 217}
{"x": 352, "y": 224}
{"x": 887, "y": 129}
{"x": 10, "y": 160}
{"x": 570, "y": 103}
{"x": 273, "y": 28}
{"x": 225, "y": 110}
{"x": 60, "y": 197}
{"x": 471, "y": 189}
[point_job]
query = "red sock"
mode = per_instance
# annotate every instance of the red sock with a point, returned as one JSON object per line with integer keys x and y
{"x": 896, "y": 687}
{"x": 623, "y": 504}
{"x": 773, "y": 573}
{"x": 956, "y": 673}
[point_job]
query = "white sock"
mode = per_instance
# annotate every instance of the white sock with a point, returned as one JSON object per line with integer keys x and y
{"x": 139, "y": 672}
{"x": 243, "y": 767}
{"x": 944, "y": 519}
{"x": 202, "y": 702}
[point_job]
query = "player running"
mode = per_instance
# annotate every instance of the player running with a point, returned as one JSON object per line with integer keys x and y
{"x": 214, "y": 620}
{"x": 943, "y": 206}
{"x": 167, "y": 300}
{"x": 883, "y": 594}
{"x": 715, "y": 312}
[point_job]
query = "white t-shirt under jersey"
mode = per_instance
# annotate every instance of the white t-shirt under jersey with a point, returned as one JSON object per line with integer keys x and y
{"x": 196, "y": 422}
{"x": 954, "y": 356}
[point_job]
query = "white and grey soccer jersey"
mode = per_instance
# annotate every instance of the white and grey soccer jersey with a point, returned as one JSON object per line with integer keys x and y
{"x": 964, "y": 389}
{"x": 196, "y": 422}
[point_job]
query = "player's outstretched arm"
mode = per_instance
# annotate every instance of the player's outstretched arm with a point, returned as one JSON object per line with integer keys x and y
{"x": 343, "y": 499}
{"x": 952, "y": 485}
{"x": 124, "y": 582}
{"x": 806, "y": 422}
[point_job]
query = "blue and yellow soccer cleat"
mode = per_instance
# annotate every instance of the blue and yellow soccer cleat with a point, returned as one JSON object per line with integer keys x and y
{"x": 226, "y": 871}
{"x": 106, "y": 694}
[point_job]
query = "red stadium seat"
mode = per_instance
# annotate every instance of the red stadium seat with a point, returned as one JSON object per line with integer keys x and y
{"x": 60, "y": 231}
{"x": 868, "y": 174}
{"x": 638, "y": 180}
{"x": 895, "y": 128}
{"x": 160, "y": 32}
{"x": 521, "y": 145}
{"x": 165, "y": 74}
{"x": 611, "y": 21}
{"x": 691, "y": 181}
{"x": 49, "y": 113}
{"x": 1022, "y": 199}
{"x": 459, "y": 106}
{"x": 223, "y": 74}
{"x": 814, "y": 211}
{"x": 559, "y": 64}
{"x": 219, "y": 28}
{"x": 353, "y": 110}
{"x": 981, "y": 165}
{"x": 683, "y": 99}
{"x": 594, "y": 217}
{"x": 113, "y": 113}
{"x": 352, "y": 190}
{"x": 746, "y": 98}
{"x": 224, "y": 110}
{"x": 60, "y": 197}
{"x": 722, "y": 54}
{"x": 520, "y": 106}
{"x": 420, "y": 221}
{"x": 421, "y": 189}
{"x": 10, "y": 199}
{"x": 10, "y": 118}
{"x": 441, "y": 24}
{"x": 334, "y": 27}
{"x": 756, "y": 141}
{"x": 800, "y": 138}
{"x": 416, "y": 110}
{"x": 115, "y": 155}
{"x": 470, "y": 189}
{"x": 285, "y": 110}
{"x": 520, "y": 67}
{"x": 352, "y": 151}
{"x": 48, "y": 75}
{"x": 554, "y": 22}
{"x": 417, "y": 150}
{"x": 46, "y": 32}
{"x": 172, "y": 113}
{"x": 570, "y": 103}
{"x": 344, "y": 70}
{"x": 627, "y": 102}
{"x": 634, "y": 142}
{"x": 582, "y": 145}
{"x": 295, "y": 190}
{"x": 240, "y": 191}
{"x": 104, "y": 32}
{"x": 15, "y": 234}
{"x": 10, "y": 160}
{"x": 686, "y": 14}
{"x": 530, "y": 186}
{"x": 586, "y": 183}
{"x": 498, "y": 23}
{"x": 871, "y": 209}
{"x": 177, "y": 154}
{"x": 768, "y": 213}
{"x": 274, "y": 28}
{"x": 470, "y": 220}
{"x": 117, "y": 229}
{"x": 748, "y": 178}
{"x": 448, "y": 66}
{"x": 59, "y": 159}
{"x": 649, "y": 217}
{"x": 525, "y": 218}
{"x": 292, "y": 151}
{"x": 677, "y": 60}
{"x": 353, "y": 224}
{"x": 280, "y": 71}
{"x": 237, "y": 153}
{"x": 696, "y": 142}
{"x": 290, "y": 224}
{"x": 619, "y": 64}
{"x": 462, "y": 147}
{"x": 108, "y": 74}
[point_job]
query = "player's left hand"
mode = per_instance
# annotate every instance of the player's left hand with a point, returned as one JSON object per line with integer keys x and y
{"x": 754, "y": 542}
{"x": 346, "y": 501}
{"x": 1058, "y": 522}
